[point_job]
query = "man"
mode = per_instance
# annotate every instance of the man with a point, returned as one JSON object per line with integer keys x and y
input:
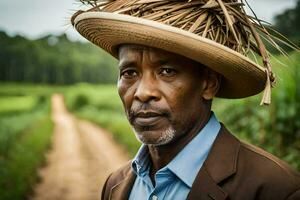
{"x": 174, "y": 58}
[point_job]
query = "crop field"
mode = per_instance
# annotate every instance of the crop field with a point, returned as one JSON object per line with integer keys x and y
{"x": 17, "y": 104}
{"x": 275, "y": 128}
{"x": 25, "y": 132}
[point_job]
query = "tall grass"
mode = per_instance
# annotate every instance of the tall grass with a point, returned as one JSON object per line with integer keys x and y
{"x": 25, "y": 131}
{"x": 17, "y": 89}
{"x": 102, "y": 97}
{"x": 12, "y": 126}
{"x": 14, "y": 104}
{"x": 18, "y": 172}
{"x": 275, "y": 128}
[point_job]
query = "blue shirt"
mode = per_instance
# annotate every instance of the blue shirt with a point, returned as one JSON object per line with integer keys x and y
{"x": 174, "y": 181}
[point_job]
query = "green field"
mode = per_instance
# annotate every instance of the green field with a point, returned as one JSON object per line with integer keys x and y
{"x": 275, "y": 128}
{"x": 25, "y": 135}
{"x": 17, "y": 104}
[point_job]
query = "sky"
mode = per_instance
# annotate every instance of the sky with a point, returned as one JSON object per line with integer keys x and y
{"x": 37, "y": 18}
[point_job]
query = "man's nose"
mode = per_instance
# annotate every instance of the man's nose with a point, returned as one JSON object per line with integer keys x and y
{"x": 147, "y": 89}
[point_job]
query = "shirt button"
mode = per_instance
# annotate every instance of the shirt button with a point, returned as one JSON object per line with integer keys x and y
{"x": 154, "y": 197}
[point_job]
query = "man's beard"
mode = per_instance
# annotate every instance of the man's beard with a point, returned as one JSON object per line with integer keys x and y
{"x": 166, "y": 137}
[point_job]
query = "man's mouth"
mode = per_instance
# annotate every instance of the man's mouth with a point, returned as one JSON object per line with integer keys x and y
{"x": 147, "y": 118}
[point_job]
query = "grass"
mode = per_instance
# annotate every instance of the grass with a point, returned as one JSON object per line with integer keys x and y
{"x": 17, "y": 89}
{"x": 274, "y": 128}
{"x": 25, "y": 131}
{"x": 13, "y": 104}
{"x": 19, "y": 169}
{"x": 99, "y": 96}
{"x": 12, "y": 125}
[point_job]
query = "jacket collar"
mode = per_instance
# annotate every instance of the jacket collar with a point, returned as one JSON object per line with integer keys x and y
{"x": 122, "y": 190}
{"x": 220, "y": 164}
{"x": 222, "y": 160}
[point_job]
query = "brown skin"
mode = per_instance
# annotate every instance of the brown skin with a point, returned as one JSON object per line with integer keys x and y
{"x": 162, "y": 91}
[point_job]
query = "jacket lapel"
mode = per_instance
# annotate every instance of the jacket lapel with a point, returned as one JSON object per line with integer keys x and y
{"x": 122, "y": 190}
{"x": 219, "y": 165}
{"x": 205, "y": 188}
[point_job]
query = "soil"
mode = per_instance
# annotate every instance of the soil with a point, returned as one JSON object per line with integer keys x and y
{"x": 81, "y": 158}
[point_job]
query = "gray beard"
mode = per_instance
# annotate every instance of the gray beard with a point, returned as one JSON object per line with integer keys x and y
{"x": 166, "y": 137}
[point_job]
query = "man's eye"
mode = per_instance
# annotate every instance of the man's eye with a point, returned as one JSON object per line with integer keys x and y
{"x": 129, "y": 74}
{"x": 168, "y": 72}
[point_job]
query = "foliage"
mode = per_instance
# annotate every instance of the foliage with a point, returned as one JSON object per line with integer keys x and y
{"x": 19, "y": 169}
{"x": 25, "y": 131}
{"x": 53, "y": 60}
{"x": 275, "y": 128}
{"x": 287, "y": 23}
{"x": 42, "y": 91}
{"x": 12, "y": 125}
{"x": 13, "y": 104}
{"x": 80, "y": 101}
{"x": 102, "y": 97}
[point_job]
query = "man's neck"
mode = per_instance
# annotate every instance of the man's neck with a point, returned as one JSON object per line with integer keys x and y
{"x": 162, "y": 155}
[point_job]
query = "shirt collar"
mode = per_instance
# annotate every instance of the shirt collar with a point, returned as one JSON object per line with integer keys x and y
{"x": 189, "y": 160}
{"x": 141, "y": 162}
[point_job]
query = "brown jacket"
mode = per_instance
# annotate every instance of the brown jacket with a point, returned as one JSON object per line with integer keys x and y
{"x": 233, "y": 170}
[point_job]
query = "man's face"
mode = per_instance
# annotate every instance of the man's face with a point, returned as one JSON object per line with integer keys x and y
{"x": 161, "y": 93}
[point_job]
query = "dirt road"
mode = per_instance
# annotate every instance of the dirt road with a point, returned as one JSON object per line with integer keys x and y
{"x": 82, "y": 156}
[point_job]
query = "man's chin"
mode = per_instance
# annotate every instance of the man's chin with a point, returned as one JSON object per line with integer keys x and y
{"x": 155, "y": 137}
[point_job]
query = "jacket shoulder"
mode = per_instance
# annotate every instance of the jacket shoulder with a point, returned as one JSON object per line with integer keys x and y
{"x": 114, "y": 179}
{"x": 265, "y": 160}
{"x": 273, "y": 176}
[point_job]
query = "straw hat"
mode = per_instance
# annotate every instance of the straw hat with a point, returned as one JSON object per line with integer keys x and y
{"x": 217, "y": 33}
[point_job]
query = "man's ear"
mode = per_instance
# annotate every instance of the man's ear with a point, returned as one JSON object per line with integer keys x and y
{"x": 211, "y": 84}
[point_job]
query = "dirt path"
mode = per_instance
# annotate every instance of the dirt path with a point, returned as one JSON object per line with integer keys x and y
{"x": 81, "y": 158}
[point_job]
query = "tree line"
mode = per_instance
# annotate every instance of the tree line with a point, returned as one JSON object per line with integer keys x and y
{"x": 288, "y": 23}
{"x": 53, "y": 60}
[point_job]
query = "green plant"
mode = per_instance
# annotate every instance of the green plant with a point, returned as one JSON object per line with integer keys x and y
{"x": 18, "y": 171}
{"x": 275, "y": 128}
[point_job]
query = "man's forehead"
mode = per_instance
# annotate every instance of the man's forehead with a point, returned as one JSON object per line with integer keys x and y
{"x": 131, "y": 54}
{"x": 134, "y": 51}
{"x": 134, "y": 47}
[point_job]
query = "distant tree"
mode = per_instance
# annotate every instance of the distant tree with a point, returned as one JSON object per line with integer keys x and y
{"x": 288, "y": 23}
{"x": 53, "y": 60}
